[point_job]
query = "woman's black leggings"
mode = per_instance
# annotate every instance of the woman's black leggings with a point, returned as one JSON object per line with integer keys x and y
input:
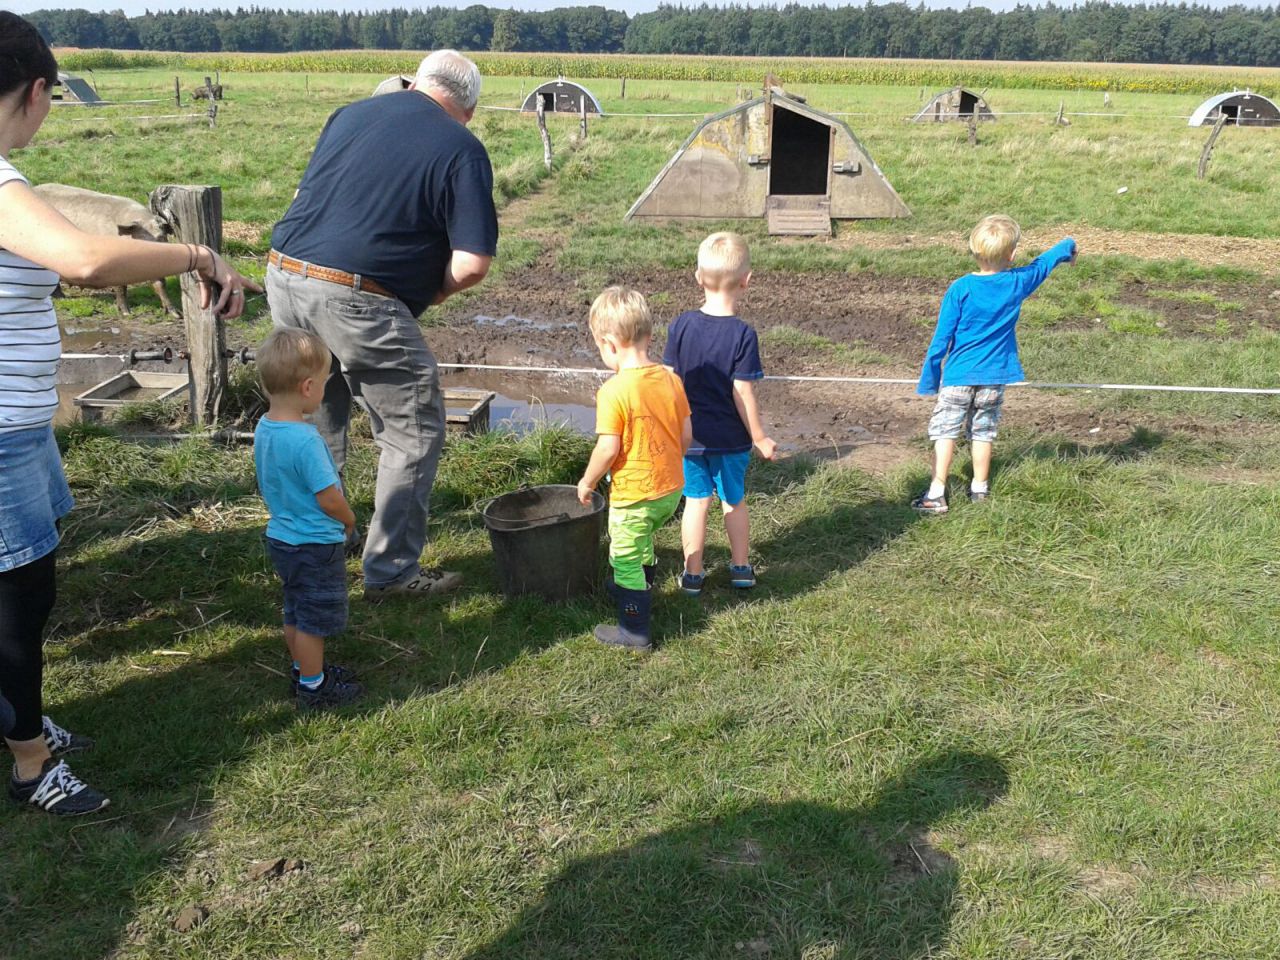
{"x": 26, "y": 599}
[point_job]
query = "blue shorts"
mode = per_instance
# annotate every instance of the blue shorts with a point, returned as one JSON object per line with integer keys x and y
{"x": 33, "y": 496}
{"x": 315, "y": 585}
{"x": 723, "y": 473}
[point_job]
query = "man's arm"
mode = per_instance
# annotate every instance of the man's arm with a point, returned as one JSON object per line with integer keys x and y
{"x": 744, "y": 398}
{"x": 463, "y": 270}
{"x": 608, "y": 445}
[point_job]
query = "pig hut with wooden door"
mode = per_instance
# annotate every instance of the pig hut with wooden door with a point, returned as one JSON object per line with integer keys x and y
{"x": 561, "y": 96}
{"x": 955, "y": 104}
{"x": 1241, "y": 107}
{"x": 774, "y": 157}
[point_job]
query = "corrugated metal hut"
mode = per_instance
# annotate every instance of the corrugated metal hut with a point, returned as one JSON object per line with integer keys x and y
{"x": 1241, "y": 107}
{"x": 73, "y": 89}
{"x": 561, "y": 96}
{"x": 392, "y": 85}
{"x": 775, "y": 157}
{"x": 954, "y": 104}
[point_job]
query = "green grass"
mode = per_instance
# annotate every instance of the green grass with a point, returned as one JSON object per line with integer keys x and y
{"x": 872, "y": 755}
{"x": 1043, "y": 727}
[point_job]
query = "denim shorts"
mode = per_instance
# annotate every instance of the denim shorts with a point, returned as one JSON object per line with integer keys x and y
{"x": 723, "y": 473}
{"x": 315, "y": 585}
{"x": 969, "y": 411}
{"x": 33, "y": 496}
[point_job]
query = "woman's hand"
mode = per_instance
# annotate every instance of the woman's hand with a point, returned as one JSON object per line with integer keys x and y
{"x": 212, "y": 269}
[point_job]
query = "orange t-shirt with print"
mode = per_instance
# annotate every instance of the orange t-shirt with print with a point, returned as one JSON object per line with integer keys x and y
{"x": 646, "y": 407}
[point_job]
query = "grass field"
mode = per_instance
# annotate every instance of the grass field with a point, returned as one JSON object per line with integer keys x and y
{"x": 1044, "y": 727}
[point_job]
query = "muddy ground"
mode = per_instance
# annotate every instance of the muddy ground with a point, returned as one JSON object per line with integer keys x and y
{"x": 830, "y": 324}
{"x": 538, "y": 318}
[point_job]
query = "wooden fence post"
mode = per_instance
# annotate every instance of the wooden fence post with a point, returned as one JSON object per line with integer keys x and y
{"x": 623, "y": 94}
{"x": 541, "y": 110}
{"x": 213, "y": 114}
{"x": 973, "y": 129}
{"x": 1207, "y": 153}
{"x": 177, "y": 91}
{"x": 195, "y": 214}
{"x": 583, "y": 122}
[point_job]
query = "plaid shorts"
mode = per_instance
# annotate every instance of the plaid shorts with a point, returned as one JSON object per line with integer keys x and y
{"x": 971, "y": 411}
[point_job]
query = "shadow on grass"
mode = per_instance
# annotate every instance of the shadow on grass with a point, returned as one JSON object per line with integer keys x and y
{"x": 1139, "y": 445}
{"x": 169, "y": 728}
{"x": 782, "y": 880}
{"x": 164, "y": 735}
{"x": 850, "y": 521}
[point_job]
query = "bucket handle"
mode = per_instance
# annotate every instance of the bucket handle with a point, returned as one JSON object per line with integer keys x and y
{"x": 479, "y": 505}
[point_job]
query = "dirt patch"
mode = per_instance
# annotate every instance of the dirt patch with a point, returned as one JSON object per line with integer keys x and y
{"x": 250, "y": 234}
{"x": 1100, "y": 880}
{"x": 1262, "y": 255}
{"x": 860, "y": 326}
{"x": 539, "y": 312}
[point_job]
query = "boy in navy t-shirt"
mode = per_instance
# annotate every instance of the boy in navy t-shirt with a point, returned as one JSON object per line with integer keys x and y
{"x": 310, "y": 517}
{"x": 975, "y": 336}
{"x": 718, "y": 358}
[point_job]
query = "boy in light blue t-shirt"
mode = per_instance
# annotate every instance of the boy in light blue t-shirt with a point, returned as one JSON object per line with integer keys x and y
{"x": 310, "y": 517}
{"x": 975, "y": 336}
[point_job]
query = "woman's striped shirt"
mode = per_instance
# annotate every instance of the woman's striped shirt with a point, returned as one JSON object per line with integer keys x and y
{"x": 30, "y": 342}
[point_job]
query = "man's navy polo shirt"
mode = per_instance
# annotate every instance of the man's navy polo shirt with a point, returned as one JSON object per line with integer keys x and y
{"x": 395, "y": 185}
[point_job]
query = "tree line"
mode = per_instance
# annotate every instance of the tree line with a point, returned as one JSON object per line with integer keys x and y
{"x": 1095, "y": 31}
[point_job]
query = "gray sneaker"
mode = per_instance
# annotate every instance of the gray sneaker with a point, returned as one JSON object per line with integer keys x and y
{"x": 427, "y": 583}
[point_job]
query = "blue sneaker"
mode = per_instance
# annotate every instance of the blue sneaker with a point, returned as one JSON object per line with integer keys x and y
{"x": 743, "y": 577}
{"x": 691, "y": 583}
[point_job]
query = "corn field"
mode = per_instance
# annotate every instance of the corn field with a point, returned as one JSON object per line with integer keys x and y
{"x": 1133, "y": 78}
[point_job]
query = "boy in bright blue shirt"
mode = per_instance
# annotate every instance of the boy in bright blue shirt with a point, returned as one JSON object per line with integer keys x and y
{"x": 975, "y": 336}
{"x": 717, "y": 356}
{"x": 310, "y": 517}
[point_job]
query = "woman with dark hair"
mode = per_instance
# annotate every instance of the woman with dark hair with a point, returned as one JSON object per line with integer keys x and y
{"x": 37, "y": 246}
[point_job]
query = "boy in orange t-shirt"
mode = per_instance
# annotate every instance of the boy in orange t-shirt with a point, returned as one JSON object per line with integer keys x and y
{"x": 643, "y": 428}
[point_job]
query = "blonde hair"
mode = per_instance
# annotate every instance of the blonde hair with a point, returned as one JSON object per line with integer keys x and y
{"x": 994, "y": 239}
{"x": 622, "y": 313}
{"x": 723, "y": 261}
{"x": 288, "y": 356}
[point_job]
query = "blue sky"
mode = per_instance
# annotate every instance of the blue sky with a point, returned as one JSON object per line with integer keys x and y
{"x": 136, "y": 7}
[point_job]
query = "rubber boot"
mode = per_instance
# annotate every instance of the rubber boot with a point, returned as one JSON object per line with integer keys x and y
{"x": 611, "y": 586}
{"x": 632, "y": 629}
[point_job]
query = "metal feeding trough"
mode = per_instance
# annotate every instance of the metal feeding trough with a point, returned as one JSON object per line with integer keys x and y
{"x": 467, "y": 408}
{"x": 131, "y": 386}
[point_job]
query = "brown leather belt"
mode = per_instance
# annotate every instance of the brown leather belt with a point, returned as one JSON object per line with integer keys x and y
{"x": 315, "y": 272}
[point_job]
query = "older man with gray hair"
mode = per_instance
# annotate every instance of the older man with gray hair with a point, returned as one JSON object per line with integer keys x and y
{"x": 394, "y": 213}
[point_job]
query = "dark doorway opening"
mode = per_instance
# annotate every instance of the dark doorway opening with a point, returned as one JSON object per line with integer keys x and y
{"x": 801, "y": 155}
{"x": 548, "y": 101}
{"x": 968, "y": 104}
{"x": 1231, "y": 111}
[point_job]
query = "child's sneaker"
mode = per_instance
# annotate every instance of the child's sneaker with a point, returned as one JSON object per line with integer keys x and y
{"x": 691, "y": 583}
{"x": 978, "y": 496}
{"x": 927, "y": 504}
{"x": 345, "y": 674}
{"x": 743, "y": 577}
{"x": 331, "y": 693}
{"x": 58, "y": 791}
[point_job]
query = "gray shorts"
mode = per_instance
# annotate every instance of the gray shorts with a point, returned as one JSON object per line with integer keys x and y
{"x": 973, "y": 412}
